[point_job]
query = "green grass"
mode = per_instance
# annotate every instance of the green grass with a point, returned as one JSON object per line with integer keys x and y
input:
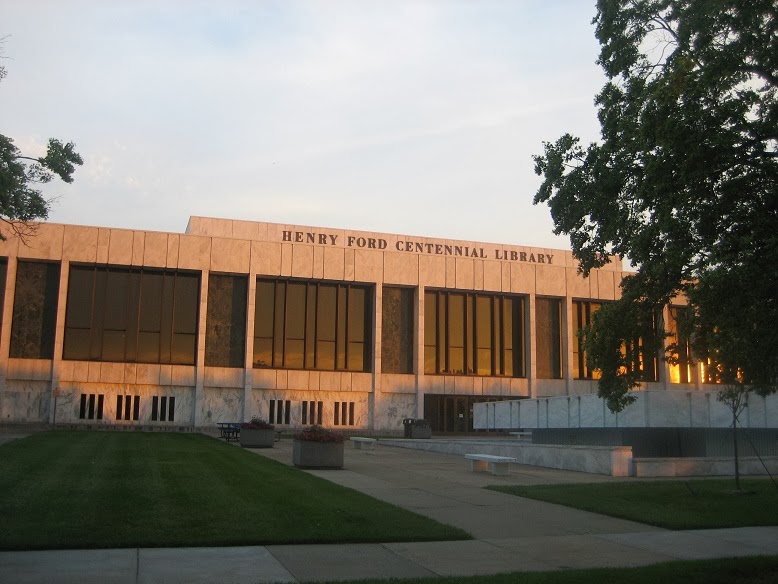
{"x": 754, "y": 570}
{"x": 695, "y": 504}
{"x": 116, "y": 489}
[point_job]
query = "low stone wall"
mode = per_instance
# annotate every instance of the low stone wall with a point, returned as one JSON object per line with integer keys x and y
{"x": 708, "y": 466}
{"x": 605, "y": 460}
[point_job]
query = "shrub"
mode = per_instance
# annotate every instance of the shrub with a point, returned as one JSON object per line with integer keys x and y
{"x": 318, "y": 434}
{"x": 258, "y": 424}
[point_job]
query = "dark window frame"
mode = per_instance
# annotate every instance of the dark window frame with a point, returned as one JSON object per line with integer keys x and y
{"x": 487, "y": 311}
{"x": 324, "y": 312}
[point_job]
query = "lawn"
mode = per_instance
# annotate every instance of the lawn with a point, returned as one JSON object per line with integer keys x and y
{"x": 97, "y": 489}
{"x": 758, "y": 570}
{"x": 693, "y": 504}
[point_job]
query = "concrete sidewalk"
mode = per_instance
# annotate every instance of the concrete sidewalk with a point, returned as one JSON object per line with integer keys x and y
{"x": 511, "y": 534}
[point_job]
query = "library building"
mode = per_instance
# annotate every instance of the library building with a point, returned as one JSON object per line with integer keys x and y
{"x": 298, "y": 325}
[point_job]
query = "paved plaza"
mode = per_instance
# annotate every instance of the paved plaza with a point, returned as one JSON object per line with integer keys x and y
{"x": 510, "y": 534}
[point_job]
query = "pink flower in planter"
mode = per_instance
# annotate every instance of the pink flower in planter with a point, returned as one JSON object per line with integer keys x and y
{"x": 319, "y": 434}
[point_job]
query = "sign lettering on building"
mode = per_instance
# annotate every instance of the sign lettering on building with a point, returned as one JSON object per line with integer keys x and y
{"x": 409, "y": 246}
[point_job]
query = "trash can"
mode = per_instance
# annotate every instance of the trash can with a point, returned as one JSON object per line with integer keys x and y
{"x": 417, "y": 428}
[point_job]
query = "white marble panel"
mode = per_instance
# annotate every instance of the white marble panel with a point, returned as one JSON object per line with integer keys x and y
{"x": 155, "y": 249}
{"x": 119, "y": 247}
{"x": 266, "y": 258}
{"x": 80, "y": 243}
{"x": 29, "y": 369}
{"x": 263, "y": 378}
{"x": 550, "y": 281}
{"x": 221, "y": 405}
{"x": 46, "y": 244}
{"x": 230, "y": 255}
{"x": 223, "y": 377}
{"x": 194, "y": 252}
{"x": 401, "y": 268}
{"x": 25, "y": 401}
{"x": 368, "y": 266}
{"x": 592, "y": 412}
{"x": 392, "y": 408}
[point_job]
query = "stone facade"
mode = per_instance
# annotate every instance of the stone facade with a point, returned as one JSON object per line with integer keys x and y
{"x": 52, "y": 388}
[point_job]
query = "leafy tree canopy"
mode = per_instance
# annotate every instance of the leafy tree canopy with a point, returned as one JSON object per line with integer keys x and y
{"x": 684, "y": 182}
{"x": 20, "y": 201}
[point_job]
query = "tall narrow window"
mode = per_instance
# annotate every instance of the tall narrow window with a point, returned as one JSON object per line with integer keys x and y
{"x": 3, "y": 277}
{"x": 225, "y": 338}
{"x": 582, "y": 313}
{"x": 473, "y": 334}
{"x": 548, "y": 334}
{"x": 397, "y": 340}
{"x": 682, "y": 372}
{"x": 35, "y": 310}
{"x": 312, "y": 325}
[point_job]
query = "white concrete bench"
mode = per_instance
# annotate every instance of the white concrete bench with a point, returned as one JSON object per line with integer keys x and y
{"x": 361, "y": 443}
{"x": 497, "y": 465}
{"x": 525, "y": 435}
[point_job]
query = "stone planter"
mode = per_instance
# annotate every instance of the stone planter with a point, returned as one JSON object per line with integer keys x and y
{"x": 257, "y": 438}
{"x": 307, "y": 454}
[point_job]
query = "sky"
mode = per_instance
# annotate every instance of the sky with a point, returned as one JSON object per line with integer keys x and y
{"x": 409, "y": 117}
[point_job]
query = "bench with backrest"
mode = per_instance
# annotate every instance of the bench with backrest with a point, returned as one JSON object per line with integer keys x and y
{"x": 497, "y": 465}
{"x": 361, "y": 443}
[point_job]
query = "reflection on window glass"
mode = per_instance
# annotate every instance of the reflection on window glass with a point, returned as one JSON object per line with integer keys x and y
{"x": 124, "y": 314}
{"x": 583, "y": 312}
{"x": 312, "y": 325}
{"x": 473, "y": 334}
{"x": 548, "y": 334}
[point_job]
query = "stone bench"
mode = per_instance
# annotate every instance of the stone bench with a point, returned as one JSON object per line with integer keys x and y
{"x": 361, "y": 443}
{"x": 525, "y": 435}
{"x": 497, "y": 465}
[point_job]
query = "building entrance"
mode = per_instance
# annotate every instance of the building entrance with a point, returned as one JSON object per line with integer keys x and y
{"x": 453, "y": 413}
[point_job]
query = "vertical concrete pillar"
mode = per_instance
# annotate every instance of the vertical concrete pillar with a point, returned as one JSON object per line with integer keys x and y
{"x": 59, "y": 337}
{"x": 375, "y": 395}
{"x": 532, "y": 348}
{"x": 199, "y": 401}
{"x": 418, "y": 353}
{"x": 248, "y": 370}
{"x": 5, "y": 331}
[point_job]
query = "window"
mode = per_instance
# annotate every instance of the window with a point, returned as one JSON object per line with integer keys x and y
{"x": 683, "y": 371}
{"x": 312, "y": 412}
{"x": 343, "y": 414}
{"x": 91, "y": 406}
{"x": 163, "y": 408}
{"x": 225, "y": 337}
{"x": 35, "y": 310}
{"x": 582, "y": 313}
{"x": 548, "y": 334}
{"x": 3, "y": 277}
{"x": 397, "y": 339}
{"x": 301, "y": 324}
{"x": 473, "y": 334}
{"x": 139, "y": 315}
{"x": 280, "y": 411}
{"x": 131, "y": 409}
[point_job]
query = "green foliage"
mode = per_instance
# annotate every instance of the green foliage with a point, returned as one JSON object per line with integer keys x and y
{"x": 684, "y": 179}
{"x": 20, "y": 201}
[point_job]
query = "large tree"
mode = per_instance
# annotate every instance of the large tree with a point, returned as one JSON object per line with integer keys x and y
{"x": 684, "y": 183}
{"x": 21, "y": 202}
